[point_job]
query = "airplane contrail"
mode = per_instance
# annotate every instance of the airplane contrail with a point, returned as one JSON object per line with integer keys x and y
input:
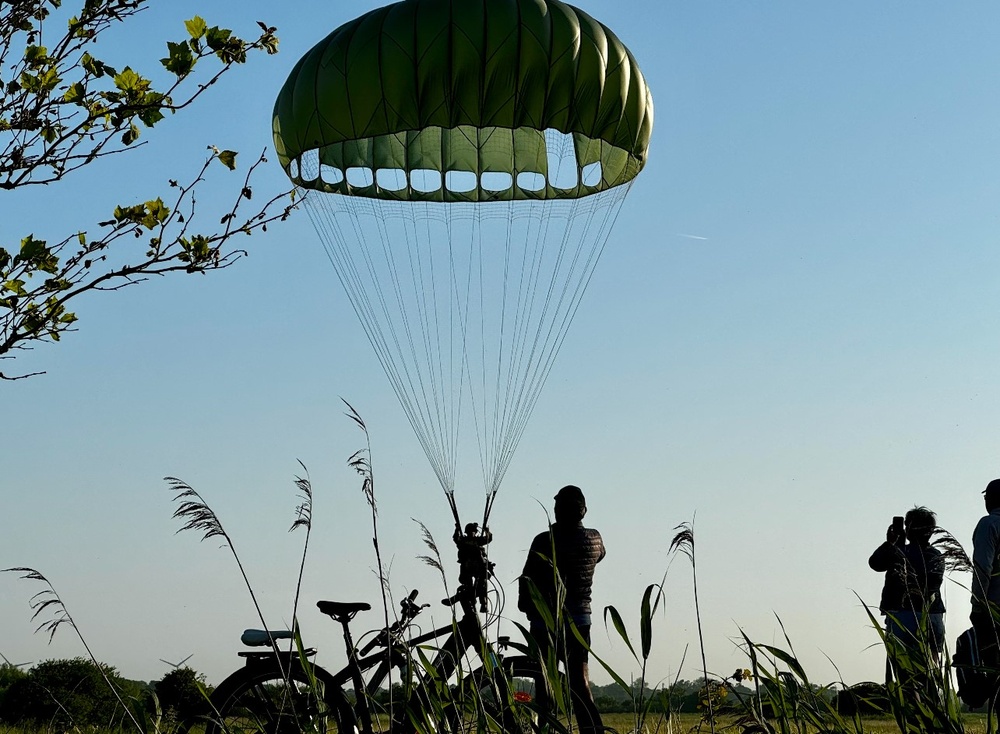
{"x": 690, "y": 236}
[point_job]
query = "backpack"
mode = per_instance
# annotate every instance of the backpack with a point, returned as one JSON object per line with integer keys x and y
{"x": 973, "y": 682}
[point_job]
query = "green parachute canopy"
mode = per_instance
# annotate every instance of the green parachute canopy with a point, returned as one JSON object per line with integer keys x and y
{"x": 464, "y": 162}
{"x": 449, "y": 100}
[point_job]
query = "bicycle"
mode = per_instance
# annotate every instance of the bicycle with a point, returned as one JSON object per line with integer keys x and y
{"x": 281, "y": 692}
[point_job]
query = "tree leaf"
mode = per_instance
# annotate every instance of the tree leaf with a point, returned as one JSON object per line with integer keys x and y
{"x": 131, "y": 135}
{"x": 216, "y": 37}
{"x": 196, "y": 26}
{"x": 180, "y": 61}
{"x": 15, "y": 286}
{"x": 228, "y": 159}
{"x": 128, "y": 80}
{"x": 75, "y": 93}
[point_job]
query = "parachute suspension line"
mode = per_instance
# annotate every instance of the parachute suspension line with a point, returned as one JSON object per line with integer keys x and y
{"x": 424, "y": 288}
{"x": 492, "y": 483}
{"x": 440, "y": 425}
{"x": 342, "y": 216}
{"x": 542, "y": 246}
{"x": 480, "y": 421}
{"x": 448, "y": 406}
{"x": 544, "y": 343}
{"x": 338, "y": 252}
{"x": 533, "y": 258}
{"x": 414, "y": 376}
{"x": 463, "y": 314}
{"x": 490, "y": 440}
{"x": 509, "y": 350}
{"x": 560, "y": 154}
{"x": 571, "y": 295}
{"x": 528, "y": 272}
{"x": 402, "y": 263}
{"x": 560, "y": 305}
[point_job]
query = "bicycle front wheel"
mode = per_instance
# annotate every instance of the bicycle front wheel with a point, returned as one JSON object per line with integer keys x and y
{"x": 263, "y": 699}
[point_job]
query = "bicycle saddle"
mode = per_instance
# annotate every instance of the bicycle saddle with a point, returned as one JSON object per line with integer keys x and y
{"x": 343, "y": 608}
{"x": 257, "y": 638}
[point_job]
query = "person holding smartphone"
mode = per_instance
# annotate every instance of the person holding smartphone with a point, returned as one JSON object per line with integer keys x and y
{"x": 914, "y": 571}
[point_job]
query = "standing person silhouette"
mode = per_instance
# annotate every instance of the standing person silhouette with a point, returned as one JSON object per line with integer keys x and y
{"x": 561, "y": 561}
{"x": 914, "y": 571}
{"x": 986, "y": 576}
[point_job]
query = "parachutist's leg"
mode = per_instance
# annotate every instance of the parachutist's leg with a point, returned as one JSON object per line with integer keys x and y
{"x": 481, "y": 593}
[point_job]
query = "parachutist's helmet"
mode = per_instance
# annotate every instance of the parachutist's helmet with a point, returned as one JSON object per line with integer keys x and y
{"x": 472, "y": 528}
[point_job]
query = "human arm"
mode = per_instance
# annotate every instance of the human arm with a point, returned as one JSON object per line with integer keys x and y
{"x": 984, "y": 553}
{"x": 884, "y": 557}
{"x": 536, "y": 565}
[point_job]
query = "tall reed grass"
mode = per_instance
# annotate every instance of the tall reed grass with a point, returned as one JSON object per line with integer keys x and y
{"x": 773, "y": 694}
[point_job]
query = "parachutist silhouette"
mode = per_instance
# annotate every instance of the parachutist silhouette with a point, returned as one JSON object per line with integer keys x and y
{"x": 474, "y": 568}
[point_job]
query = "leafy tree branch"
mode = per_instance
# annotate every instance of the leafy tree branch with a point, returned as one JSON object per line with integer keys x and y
{"x": 63, "y": 107}
{"x": 38, "y": 281}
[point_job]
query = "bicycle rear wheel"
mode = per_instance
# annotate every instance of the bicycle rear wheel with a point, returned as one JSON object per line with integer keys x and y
{"x": 260, "y": 700}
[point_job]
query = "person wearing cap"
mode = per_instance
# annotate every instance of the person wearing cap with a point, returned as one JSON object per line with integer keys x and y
{"x": 565, "y": 556}
{"x": 986, "y": 575}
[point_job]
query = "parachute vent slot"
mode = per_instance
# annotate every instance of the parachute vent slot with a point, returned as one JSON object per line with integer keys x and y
{"x": 531, "y": 181}
{"x": 330, "y": 174}
{"x": 461, "y": 181}
{"x": 590, "y": 175}
{"x": 360, "y": 176}
{"x": 496, "y": 180}
{"x": 560, "y": 151}
{"x": 309, "y": 165}
{"x": 391, "y": 179}
{"x": 425, "y": 180}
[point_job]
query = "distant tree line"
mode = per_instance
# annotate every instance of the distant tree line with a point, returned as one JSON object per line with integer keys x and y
{"x": 683, "y": 696}
{"x": 687, "y": 696}
{"x": 73, "y": 693}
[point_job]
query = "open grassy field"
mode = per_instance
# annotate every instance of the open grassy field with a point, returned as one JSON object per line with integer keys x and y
{"x": 684, "y": 723}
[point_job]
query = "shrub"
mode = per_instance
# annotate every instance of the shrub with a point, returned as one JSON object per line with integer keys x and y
{"x": 865, "y": 699}
{"x": 67, "y": 693}
{"x": 181, "y": 693}
{"x": 9, "y": 675}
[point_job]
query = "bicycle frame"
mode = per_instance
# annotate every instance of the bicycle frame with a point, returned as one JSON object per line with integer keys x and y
{"x": 389, "y": 648}
{"x": 462, "y": 634}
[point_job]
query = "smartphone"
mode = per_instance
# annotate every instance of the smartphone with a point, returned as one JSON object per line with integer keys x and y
{"x": 897, "y": 525}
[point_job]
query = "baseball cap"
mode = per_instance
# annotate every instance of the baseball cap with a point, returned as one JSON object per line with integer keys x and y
{"x": 571, "y": 493}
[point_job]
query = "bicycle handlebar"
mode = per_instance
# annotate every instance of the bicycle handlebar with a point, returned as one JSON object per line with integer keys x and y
{"x": 409, "y": 609}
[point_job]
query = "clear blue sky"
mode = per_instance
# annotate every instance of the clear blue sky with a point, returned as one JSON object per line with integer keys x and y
{"x": 793, "y": 334}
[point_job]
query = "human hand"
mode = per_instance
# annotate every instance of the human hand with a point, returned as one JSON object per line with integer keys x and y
{"x": 892, "y": 535}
